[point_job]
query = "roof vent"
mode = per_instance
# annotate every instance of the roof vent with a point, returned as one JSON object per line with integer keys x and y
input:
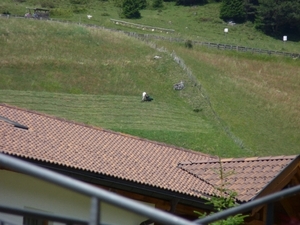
{"x": 15, "y": 124}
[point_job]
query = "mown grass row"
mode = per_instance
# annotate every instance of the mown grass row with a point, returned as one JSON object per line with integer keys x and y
{"x": 159, "y": 121}
{"x": 255, "y": 97}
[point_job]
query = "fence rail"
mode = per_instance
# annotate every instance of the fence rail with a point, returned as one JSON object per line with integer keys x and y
{"x": 140, "y": 26}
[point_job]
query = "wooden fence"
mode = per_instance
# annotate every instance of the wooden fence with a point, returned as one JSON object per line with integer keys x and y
{"x": 175, "y": 39}
{"x": 140, "y": 26}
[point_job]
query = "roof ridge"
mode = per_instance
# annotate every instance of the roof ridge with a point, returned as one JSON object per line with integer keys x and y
{"x": 200, "y": 178}
{"x": 225, "y": 160}
{"x": 107, "y": 130}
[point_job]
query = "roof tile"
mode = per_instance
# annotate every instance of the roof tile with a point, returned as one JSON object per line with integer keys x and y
{"x": 249, "y": 176}
{"x": 88, "y": 148}
{"x": 126, "y": 157}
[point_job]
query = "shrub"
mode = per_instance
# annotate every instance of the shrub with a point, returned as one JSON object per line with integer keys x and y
{"x": 130, "y": 9}
{"x": 79, "y": 2}
{"x": 157, "y": 4}
{"x": 225, "y": 199}
{"x": 79, "y": 9}
{"x": 142, "y": 4}
{"x": 59, "y": 12}
{"x": 105, "y": 14}
{"x": 188, "y": 44}
{"x": 4, "y": 9}
{"x": 47, "y": 4}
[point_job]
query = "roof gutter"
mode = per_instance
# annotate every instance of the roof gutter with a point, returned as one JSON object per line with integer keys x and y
{"x": 126, "y": 185}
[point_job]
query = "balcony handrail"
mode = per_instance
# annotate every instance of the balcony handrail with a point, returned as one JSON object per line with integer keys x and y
{"x": 269, "y": 199}
{"x": 41, "y": 215}
{"x": 99, "y": 194}
{"x": 95, "y": 193}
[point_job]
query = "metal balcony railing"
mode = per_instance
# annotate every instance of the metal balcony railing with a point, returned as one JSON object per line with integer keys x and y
{"x": 95, "y": 193}
{"x": 98, "y": 195}
{"x": 246, "y": 207}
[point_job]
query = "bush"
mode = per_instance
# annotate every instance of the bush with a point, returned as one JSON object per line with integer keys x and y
{"x": 79, "y": 2}
{"x": 142, "y": 4}
{"x": 6, "y": 13}
{"x": 59, "y": 12}
{"x": 4, "y": 9}
{"x": 47, "y": 4}
{"x": 79, "y": 9}
{"x": 190, "y": 2}
{"x": 225, "y": 199}
{"x": 130, "y": 9}
{"x": 157, "y": 4}
{"x": 105, "y": 14}
{"x": 188, "y": 44}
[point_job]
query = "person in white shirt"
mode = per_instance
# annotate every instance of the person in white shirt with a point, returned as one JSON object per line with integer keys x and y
{"x": 146, "y": 97}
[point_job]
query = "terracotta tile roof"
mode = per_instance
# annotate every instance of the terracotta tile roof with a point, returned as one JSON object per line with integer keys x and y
{"x": 74, "y": 145}
{"x": 246, "y": 176}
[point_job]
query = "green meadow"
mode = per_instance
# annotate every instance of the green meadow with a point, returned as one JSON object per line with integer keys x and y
{"x": 233, "y": 104}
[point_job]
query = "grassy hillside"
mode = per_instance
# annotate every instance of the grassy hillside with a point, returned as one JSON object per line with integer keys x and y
{"x": 200, "y": 23}
{"x": 97, "y": 77}
{"x": 107, "y": 73}
{"x": 257, "y": 97}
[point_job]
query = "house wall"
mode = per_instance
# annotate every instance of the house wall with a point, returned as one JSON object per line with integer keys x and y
{"x": 22, "y": 191}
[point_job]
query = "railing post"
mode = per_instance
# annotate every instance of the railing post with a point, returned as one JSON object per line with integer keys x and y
{"x": 270, "y": 214}
{"x": 95, "y": 211}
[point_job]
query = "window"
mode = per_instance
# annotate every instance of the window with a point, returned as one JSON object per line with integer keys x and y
{"x": 34, "y": 221}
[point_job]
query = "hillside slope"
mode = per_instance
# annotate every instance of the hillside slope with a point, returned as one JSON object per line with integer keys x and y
{"x": 97, "y": 77}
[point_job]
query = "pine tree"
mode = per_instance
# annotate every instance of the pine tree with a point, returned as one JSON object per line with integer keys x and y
{"x": 190, "y": 2}
{"x": 157, "y": 4}
{"x": 233, "y": 10}
{"x": 251, "y": 9}
{"x": 224, "y": 199}
{"x": 142, "y": 4}
{"x": 278, "y": 16}
{"x": 130, "y": 9}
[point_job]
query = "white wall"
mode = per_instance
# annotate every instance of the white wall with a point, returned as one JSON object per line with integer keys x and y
{"x": 22, "y": 191}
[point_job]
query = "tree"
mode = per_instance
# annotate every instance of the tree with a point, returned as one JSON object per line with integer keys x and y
{"x": 278, "y": 16}
{"x": 142, "y": 4}
{"x": 130, "y": 9}
{"x": 224, "y": 198}
{"x": 250, "y": 9}
{"x": 233, "y": 10}
{"x": 190, "y": 2}
{"x": 157, "y": 4}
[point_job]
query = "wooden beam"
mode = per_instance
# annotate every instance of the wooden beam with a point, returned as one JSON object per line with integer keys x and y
{"x": 288, "y": 208}
{"x": 279, "y": 182}
{"x": 178, "y": 208}
{"x": 255, "y": 222}
{"x": 264, "y": 214}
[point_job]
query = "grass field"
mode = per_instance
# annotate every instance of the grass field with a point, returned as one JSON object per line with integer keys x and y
{"x": 96, "y": 77}
{"x": 158, "y": 120}
{"x": 201, "y": 23}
